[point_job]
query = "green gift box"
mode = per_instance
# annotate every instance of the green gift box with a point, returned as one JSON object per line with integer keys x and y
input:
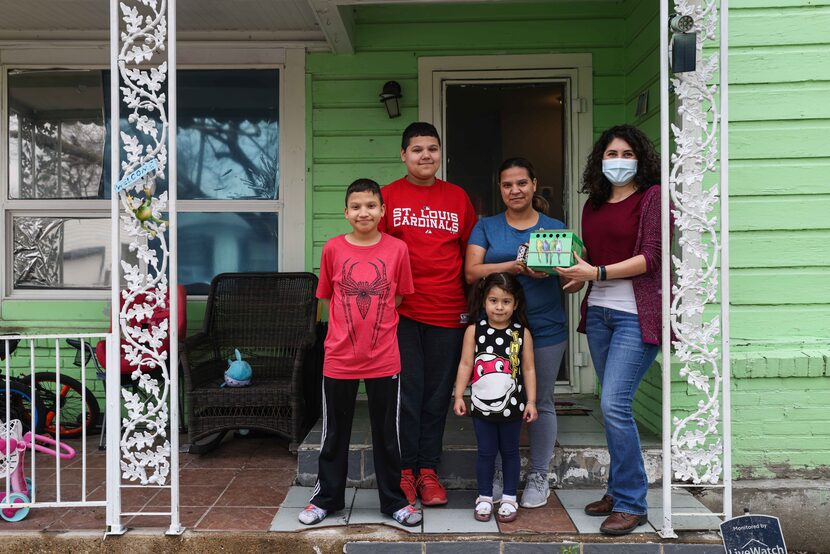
{"x": 549, "y": 249}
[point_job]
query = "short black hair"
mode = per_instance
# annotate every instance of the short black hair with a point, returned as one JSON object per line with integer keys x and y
{"x": 418, "y": 129}
{"x": 364, "y": 185}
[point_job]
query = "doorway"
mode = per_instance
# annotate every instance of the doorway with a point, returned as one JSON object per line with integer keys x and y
{"x": 489, "y": 108}
{"x": 487, "y": 123}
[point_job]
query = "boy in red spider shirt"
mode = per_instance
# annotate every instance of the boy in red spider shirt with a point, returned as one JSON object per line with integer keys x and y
{"x": 364, "y": 274}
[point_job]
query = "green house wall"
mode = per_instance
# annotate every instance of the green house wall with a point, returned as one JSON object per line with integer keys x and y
{"x": 351, "y": 136}
{"x": 779, "y": 155}
{"x": 779, "y": 70}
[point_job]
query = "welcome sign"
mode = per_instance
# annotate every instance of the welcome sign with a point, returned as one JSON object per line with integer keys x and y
{"x": 152, "y": 165}
{"x": 753, "y": 534}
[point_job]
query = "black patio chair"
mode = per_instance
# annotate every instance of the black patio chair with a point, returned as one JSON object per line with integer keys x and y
{"x": 271, "y": 318}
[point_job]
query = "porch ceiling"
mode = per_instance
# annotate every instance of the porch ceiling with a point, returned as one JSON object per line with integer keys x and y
{"x": 318, "y": 24}
{"x": 283, "y": 20}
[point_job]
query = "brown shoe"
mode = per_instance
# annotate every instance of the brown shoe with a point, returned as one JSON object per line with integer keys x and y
{"x": 621, "y": 523}
{"x": 602, "y": 507}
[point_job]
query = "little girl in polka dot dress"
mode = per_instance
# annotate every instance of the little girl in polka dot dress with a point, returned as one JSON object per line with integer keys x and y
{"x": 497, "y": 360}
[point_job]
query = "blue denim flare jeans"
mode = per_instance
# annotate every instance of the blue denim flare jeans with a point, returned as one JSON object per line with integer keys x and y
{"x": 621, "y": 359}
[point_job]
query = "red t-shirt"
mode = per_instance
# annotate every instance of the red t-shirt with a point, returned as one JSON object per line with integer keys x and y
{"x": 610, "y": 232}
{"x": 362, "y": 282}
{"x": 435, "y": 222}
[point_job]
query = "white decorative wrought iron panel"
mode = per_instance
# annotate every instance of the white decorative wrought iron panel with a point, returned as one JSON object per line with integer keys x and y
{"x": 697, "y": 437}
{"x": 143, "y": 109}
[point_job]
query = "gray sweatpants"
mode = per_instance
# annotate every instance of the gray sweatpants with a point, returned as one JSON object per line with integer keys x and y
{"x": 542, "y": 432}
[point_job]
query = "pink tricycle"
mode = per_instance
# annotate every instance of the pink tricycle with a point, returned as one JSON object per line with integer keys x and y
{"x": 13, "y": 448}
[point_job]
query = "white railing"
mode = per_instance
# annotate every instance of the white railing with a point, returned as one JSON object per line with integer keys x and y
{"x": 38, "y": 403}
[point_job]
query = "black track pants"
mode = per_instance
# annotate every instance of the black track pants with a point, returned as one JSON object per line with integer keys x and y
{"x": 338, "y": 411}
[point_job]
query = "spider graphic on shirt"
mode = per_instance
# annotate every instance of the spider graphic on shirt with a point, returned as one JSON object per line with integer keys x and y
{"x": 363, "y": 292}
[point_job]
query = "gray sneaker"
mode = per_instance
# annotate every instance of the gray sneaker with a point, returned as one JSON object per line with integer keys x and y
{"x": 537, "y": 491}
{"x": 498, "y": 486}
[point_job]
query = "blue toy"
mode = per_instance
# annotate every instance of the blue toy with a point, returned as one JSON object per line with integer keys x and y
{"x": 238, "y": 373}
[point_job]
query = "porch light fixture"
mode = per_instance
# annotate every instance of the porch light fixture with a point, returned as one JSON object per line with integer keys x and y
{"x": 642, "y": 104}
{"x": 684, "y": 43}
{"x": 389, "y": 96}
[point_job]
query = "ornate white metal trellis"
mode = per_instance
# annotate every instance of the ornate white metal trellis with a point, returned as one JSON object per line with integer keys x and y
{"x": 143, "y": 81}
{"x": 696, "y": 444}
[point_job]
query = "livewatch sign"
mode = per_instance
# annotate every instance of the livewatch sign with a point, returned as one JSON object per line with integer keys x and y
{"x": 753, "y": 534}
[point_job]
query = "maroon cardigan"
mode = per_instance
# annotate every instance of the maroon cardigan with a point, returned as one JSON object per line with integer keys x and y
{"x": 647, "y": 287}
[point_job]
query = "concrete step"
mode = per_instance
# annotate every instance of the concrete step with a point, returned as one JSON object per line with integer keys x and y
{"x": 580, "y": 459}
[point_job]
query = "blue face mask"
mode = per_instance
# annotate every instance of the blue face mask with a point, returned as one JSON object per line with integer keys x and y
{"x": 619, "y": 171}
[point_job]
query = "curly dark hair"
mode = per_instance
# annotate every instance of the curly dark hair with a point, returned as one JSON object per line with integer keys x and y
{"x": 506, "y": 282}
{"x": 598, "y": 186}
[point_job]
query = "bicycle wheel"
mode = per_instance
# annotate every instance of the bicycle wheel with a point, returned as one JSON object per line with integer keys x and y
{"x": 71, "y": 409}
{"x": 20, "y": 405}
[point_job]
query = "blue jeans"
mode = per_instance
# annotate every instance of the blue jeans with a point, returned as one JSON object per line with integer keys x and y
{"x": 497, "y": 437}
{"x": 621, "y": 359}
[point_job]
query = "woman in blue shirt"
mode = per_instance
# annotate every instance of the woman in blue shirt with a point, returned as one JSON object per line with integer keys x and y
{"x": 492, "y": 247}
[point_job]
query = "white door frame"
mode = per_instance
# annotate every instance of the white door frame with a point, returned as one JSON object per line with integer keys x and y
{"x": 575, "y": 70}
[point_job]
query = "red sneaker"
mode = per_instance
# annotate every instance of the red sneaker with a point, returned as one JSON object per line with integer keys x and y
{"x": 408, "y": 485}
{"x": 430, "y": 489}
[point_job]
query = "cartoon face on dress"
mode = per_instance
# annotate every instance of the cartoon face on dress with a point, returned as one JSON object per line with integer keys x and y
{"x": 493, "y": 383}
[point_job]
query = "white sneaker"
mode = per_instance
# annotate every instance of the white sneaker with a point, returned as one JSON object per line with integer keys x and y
{"x": 408, "y": 516}
{"x": 537, "y": 491}
{"x": 312, "y": 515}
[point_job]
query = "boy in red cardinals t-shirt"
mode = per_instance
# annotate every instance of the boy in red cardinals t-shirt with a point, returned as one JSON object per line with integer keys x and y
{"x": 364, "y": 274}
{"x": 434, "y": 218}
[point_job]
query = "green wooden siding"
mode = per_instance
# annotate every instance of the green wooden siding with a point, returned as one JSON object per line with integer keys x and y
{"x": 780, "y": 303}
{"x": 779, "y": 60}
{"x": 353, "y": 137}
{"x": 642, "y": 64}
{"x": 779, "y": 56}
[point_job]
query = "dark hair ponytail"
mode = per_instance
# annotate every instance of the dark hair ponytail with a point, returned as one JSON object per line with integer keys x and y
{"x": 506, "y": 282}
{"x": 540, "y": 204}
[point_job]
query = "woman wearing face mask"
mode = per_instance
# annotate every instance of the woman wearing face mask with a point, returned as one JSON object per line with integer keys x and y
{"x": 621, "y": 310}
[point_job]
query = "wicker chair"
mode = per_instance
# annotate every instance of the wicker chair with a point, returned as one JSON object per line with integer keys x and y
{"x": 271, "y": 319}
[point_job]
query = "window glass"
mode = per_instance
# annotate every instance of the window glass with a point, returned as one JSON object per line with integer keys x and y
{"x": 63, "y": 252}
{"x": 58, "y": 137}
{"x": 228, "y": 134}
{"x": 211, "y": 243}
{"x": 56, "y": 134}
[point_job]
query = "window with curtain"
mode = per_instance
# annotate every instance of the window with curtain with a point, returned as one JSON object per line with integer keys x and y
{"x": 57, "y": 205}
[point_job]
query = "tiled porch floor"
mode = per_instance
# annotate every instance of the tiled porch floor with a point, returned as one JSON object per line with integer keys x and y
{"x": 562, "y": 515}
{"x": 237, "y": 487}
{"x": 241, "y": 485}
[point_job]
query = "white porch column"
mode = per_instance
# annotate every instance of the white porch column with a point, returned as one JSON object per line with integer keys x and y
{"x": 142, "y": 446}
{"x": 697, "y": 438}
